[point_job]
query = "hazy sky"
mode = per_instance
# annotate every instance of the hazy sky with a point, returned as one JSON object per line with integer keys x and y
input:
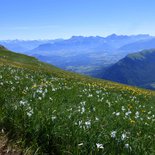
{"x": 44, "y": 19}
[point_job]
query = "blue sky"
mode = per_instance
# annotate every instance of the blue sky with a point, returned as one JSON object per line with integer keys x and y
{"x": 49, "y": 19}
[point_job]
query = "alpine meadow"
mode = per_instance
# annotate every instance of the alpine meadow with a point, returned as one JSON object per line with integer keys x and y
{"x": 45, "y": 110}
{"x": 77, "y": 77}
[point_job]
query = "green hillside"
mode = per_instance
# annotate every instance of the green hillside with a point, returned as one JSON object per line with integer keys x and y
{"x": 137, "y": 69}
{"x": 45, "y": 110}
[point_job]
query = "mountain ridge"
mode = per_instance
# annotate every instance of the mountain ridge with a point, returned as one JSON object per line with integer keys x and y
{"x": 85, "y": 55}
{"x": 135, "y": 69}
{"x": 139, "y": 45}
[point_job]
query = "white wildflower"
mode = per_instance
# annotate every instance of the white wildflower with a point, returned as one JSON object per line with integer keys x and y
{"x": 29, "y": 113}
{"x": 128, "y": 113}
{"x": 124, "y": 136}
{"x": 39, "y": 98}
{"x": 113, "y": 134}
{"x": 80, "y": 144}
{"x": 99, "y": 146}
{"x": 137, "y": 114}
{"x": 22, "y": 102}
{"x": 53, "y": 118}
{"x": 82, "y": 110}
{"x": 118, "y": 113}
{"x": 127, "y": 146}
{"x": 88, "y": 124}
{"x": 90, "y": 95}
{"x": 123, "y": 108}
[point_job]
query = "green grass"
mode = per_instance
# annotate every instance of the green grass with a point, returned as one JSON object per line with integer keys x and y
{"x": 47, "y": 110}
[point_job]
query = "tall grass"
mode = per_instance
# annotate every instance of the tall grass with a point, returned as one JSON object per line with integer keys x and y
{"x": 60, "y": 113}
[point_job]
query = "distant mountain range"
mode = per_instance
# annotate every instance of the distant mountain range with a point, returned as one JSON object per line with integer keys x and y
{"x": 139, "y": 45}
{"x": 136, "y": 69}
{"x": 79, "y": 44}
{"x": 86, "y": 55}
{"x": 22, "y": 46}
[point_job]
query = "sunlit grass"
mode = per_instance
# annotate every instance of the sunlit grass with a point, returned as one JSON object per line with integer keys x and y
{"x": 51, "y": 111}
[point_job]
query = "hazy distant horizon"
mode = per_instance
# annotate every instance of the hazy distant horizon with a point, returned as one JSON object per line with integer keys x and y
{"x": 104, "y": 36}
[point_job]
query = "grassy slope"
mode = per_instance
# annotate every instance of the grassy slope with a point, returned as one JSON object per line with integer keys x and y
{"x": 47, "y": 110}
{"x": 136, "y": 69}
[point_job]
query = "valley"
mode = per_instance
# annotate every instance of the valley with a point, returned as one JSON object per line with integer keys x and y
{"x": 84, "y": 55}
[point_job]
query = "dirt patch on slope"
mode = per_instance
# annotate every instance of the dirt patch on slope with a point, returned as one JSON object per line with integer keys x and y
{"x": 8, "y": 148}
